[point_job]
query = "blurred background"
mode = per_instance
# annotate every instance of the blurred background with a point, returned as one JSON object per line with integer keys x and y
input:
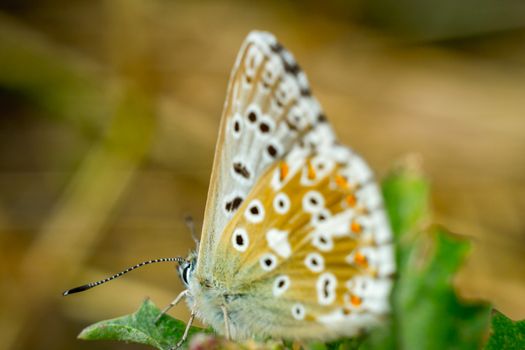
{"x": 109, "y": 116}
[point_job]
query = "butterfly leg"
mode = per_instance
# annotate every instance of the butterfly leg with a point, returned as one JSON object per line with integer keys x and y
{"x": 226, "y": 323}
{"x": 186, "y": 331}
{"x": 170, "y": 305}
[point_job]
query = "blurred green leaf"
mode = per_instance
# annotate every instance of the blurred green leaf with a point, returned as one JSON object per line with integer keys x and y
{"x": 67, "y": 85}
{"x": 140, "y": 327}
{"x": 506, "y": 334}
{"x": 427, "y": 314}
{"x": 406, "y": 195}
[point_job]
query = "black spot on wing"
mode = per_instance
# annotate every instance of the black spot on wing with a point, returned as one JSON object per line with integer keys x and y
{"x": 241, "y": 169}
{"x": 321, "y": 118}
{"x": 325, "y": 288}
{"x": 306, "y": 92}
{"x": 234, "y": 204}
{"x": 272, "y": 151}
{"x": 292, "y": 68}
{"x": 276, "y": 47}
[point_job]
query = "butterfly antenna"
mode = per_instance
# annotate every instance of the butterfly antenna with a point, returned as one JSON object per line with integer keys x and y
{"x": 190, "y": 224}
{"x": 131, "y": 268}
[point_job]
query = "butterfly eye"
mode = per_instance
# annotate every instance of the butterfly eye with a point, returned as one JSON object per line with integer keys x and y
{"x": 326, "y": 284}
{"x": 268, "y": 262}
{"x": 186, "y": 275}
{"x": 313, "y": 202}
{"x": 314, "y": 262}
{"x": 254, "y": 213}
{"x": 281, "y": 203}
{"x": 281, "y": 285}
{"x": 240, "y": 239}
{"x": 298, "y": 312}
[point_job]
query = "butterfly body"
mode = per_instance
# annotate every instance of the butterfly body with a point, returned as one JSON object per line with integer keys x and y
{"x": 295, "y": 242}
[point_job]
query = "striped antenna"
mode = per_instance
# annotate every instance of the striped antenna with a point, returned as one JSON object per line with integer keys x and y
{"x": 98, "y": 283}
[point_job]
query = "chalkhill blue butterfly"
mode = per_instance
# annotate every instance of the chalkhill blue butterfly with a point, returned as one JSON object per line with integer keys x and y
{"x": 295, "y": 241}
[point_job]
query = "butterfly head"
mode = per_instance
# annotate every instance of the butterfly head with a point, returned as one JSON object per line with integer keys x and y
{"x": 186, "y": 268}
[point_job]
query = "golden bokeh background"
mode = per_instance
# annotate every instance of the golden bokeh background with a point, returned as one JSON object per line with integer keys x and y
{"x": 110, "y": 110}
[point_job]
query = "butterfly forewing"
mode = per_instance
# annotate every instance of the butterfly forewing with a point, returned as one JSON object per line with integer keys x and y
{"x": 268, "y": 109}
{"x": 296, "y": 243}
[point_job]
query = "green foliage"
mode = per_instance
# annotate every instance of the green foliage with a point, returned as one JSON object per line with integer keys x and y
{"x": 140, "y": 327}
{"x": 427, "y": 313}
{"x": 506, "y": 334}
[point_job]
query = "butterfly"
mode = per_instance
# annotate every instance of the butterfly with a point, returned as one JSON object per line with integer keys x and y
{"x": 295, "y": 241}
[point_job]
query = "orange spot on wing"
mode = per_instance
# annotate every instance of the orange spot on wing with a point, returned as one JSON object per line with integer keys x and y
{"x": 351, "y": 200}
{"x": 356, "y": 227}
{"x": 355, "y": 300}
{"x": 311, "y": 171}
{"x": 284, "y": 170}
{"x": 360, "y": 259}
{"x": 341, "y": 182}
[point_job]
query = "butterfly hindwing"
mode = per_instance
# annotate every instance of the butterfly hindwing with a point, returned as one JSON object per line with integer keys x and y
{"x": 312, "y": 240}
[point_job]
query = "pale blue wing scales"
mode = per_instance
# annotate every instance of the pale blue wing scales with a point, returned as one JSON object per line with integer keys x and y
{"x": 267, "y": 109}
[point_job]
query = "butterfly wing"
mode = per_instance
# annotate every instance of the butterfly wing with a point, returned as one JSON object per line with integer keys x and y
{"x": 268, "y": 108}
{"x": 311, "y": 246}
{"x": 295, "y": 242}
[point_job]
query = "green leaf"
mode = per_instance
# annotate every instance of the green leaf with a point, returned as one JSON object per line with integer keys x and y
{"x": 140, "y": 327}
{"x": 406, "y": 195}
{"x": 506, "y": 334}
{"x": 427, "y": 313}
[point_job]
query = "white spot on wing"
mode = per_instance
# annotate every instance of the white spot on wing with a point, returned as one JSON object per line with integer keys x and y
{"x": 313, "y": 202}
{"x": 298, "y": 311}
{"x": 240, "y": 239}
{"x": 370, "y": 196}
{"x": 319, "y": 217}
{"x": 382, "y": 232}
{"x": 278, "y": 242}
{"x": 253, "y": 60}
{"x": 281, "y": 285}
{"x": 326, "y": 286}
{"x": 268, "y": 262}
{"x": 314, "y": 262}
{"x": 281, "y": 203}
{"x": 323, "y": 242}
{"x": 254, "y": 212}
